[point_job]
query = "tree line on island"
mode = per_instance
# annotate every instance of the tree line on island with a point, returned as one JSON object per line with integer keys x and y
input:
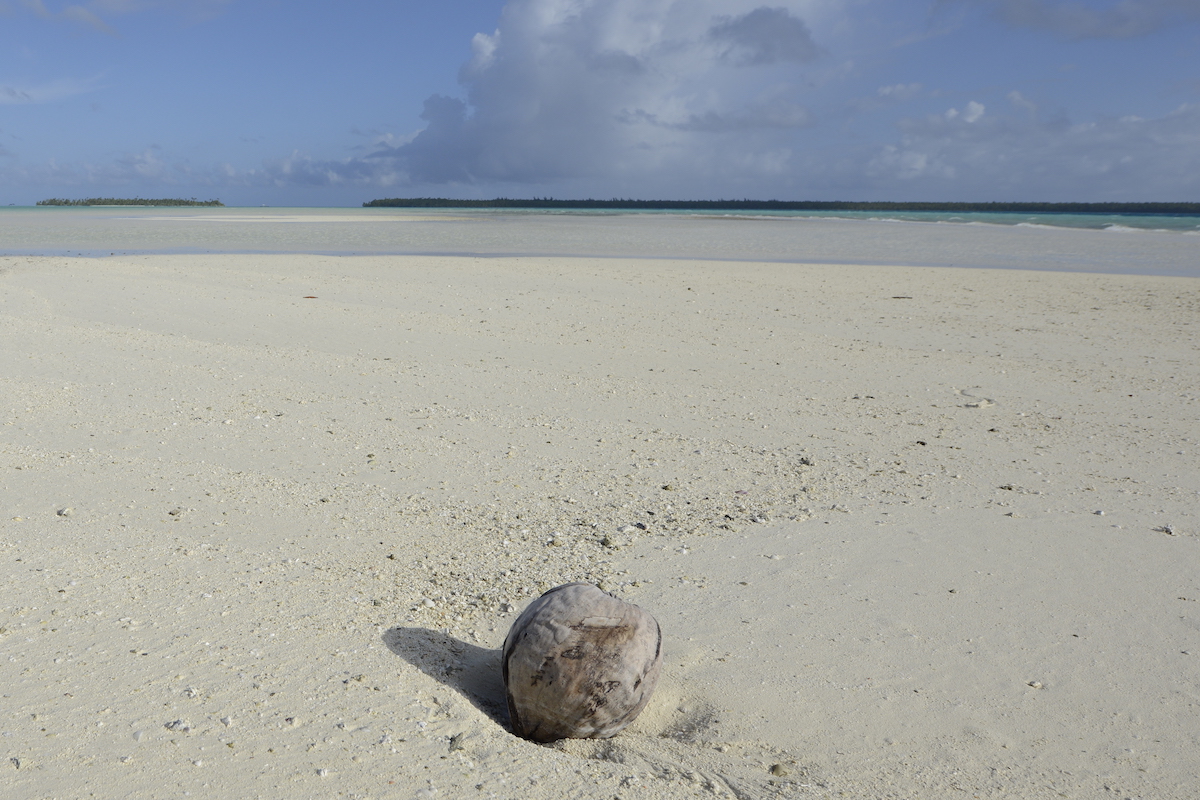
{"x": 789, "y": 205}
{"x": 136, "y": 201}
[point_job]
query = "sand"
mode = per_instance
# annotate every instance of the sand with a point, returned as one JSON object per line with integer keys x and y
{"x": 909, "y": 532}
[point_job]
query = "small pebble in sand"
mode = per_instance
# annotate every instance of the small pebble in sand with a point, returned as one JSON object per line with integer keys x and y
{"x": 1036, "y": 685}
{"x": 579, "y": 663}
{"x": 66, "y": 512}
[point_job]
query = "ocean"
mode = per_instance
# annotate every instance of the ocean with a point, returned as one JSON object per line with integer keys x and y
{"x": 1132, "y": 244}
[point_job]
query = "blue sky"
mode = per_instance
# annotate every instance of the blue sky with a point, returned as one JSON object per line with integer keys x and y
{"x": 325, "y": 104}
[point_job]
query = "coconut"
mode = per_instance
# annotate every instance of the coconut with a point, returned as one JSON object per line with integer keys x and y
{"x": 579, "y": 663}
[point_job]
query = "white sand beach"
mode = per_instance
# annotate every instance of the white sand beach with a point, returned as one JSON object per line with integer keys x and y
{"x": 909, "y": 531}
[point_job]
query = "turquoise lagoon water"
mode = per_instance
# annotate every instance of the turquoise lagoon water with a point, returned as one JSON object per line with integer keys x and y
{"x": 1140, "y": 244}
{"x": 1165, "y": 223}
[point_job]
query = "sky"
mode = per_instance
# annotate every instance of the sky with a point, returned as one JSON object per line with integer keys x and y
{"x": 307, "y": 103}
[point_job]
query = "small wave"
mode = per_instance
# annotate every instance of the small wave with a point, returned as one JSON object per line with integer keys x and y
{"x": 1115, "y": 228}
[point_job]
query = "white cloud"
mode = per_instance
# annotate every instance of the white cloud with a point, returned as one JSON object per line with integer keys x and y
{"x": 147, "y": 169}
{"x": 1021, "y": 101}
{"x": 970, "y": 114}
{"x": 618, "y": 90}
{"x": 147, "y": 165}
{"x": 886, "y": 96}
{"x": 484, "y": 48}
{"x": 899, "y": 91}
{"x": 301, "y": 169}
{"x": 907, "y": 164}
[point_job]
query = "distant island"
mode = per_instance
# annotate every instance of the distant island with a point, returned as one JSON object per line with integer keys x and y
{"x": 1182, "y": 209}
{"x": 137, "y": 201}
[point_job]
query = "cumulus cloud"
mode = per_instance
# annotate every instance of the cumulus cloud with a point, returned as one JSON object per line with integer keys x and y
{"x": 975, "y": 153}
{"x": 614, "y": 89}
{"x": 757, "y": 116}
{"x": 147, "y": 168}
{"x": 899, "y": 91}
{"x": 301, "y": 169}
{"x": 886, "y": 96}
{"x": 1075, "y": 20}
{"x": 147, "y": 165}
{"x": 1021, "y": 101}
{"x": 971, "y": 113}
{"x": 764, "y": 36}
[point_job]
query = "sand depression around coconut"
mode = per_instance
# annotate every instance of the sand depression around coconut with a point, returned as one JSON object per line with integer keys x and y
{"x": 266, "y": 520}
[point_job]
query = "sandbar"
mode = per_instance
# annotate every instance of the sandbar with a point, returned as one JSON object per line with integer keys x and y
{"x": 909, "y": 531}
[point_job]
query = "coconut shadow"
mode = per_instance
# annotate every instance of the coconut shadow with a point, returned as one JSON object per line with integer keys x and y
{"x": 470, "y": 670}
